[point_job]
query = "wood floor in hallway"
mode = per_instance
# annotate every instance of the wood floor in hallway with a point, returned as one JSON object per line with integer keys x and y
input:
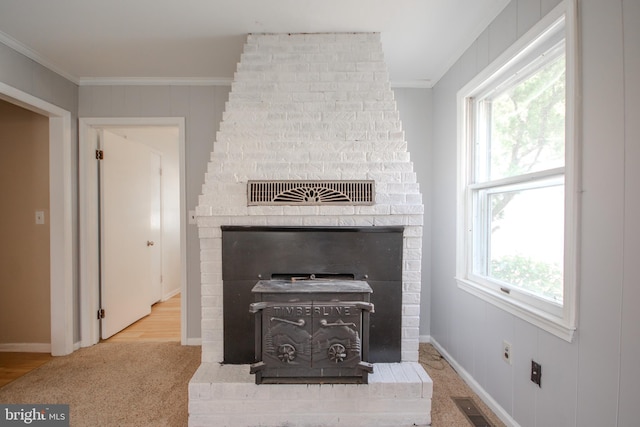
{"x": 14, "y": 365}
{"x": 163, "y": 324}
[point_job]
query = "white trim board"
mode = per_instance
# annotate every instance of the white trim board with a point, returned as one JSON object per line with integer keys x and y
{"x": 500, "y": 412}
{"x": 60, "y": 217}
{"x": 193, "y": 342}
{"x": 35, "y": 56}
{"x": 170, "y": 295}
{"x": 425, "y": 339}
{"x": 25, "y": 347}
{"x": 155, "y": 81}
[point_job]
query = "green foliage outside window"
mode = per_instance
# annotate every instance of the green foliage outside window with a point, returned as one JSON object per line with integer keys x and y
{"x": 541, "y": 278}
{"x": 527, "y": 134}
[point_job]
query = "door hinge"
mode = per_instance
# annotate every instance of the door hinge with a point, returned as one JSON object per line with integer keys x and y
{"x": 101, "y": 313}
{"x": 99, "y": 154}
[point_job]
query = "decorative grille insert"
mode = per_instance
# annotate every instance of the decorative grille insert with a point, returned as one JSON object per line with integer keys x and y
{"x": 310, "y": 192}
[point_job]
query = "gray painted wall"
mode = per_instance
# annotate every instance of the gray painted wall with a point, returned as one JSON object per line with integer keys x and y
{"x": 414, "y": 107}
{"x": 202, "y": 108}
{"x": 595, "y": 380}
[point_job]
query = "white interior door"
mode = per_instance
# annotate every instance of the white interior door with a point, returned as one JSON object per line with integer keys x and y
{"x": 155, "y": 173}
{"x": 125, "y": 200}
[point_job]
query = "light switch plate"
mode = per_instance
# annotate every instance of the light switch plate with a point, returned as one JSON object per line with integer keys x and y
{"x": 39, "y": 217}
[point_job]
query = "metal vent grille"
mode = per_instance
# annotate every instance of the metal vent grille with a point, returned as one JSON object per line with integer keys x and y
{"x": 310, "y": 192}
{"x": 471, "y": 412}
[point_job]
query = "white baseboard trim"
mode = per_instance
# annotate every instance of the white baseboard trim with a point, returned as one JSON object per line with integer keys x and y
{"x": 27, "y": 347}
{"x": 194, "y": 341}
{"x": 424, "y": 338}
{"x": 170, "y": 294}
{"x": 504, "y": 416}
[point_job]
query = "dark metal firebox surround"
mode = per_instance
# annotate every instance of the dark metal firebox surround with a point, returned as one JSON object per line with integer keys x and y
{"x": 254, "y": 253}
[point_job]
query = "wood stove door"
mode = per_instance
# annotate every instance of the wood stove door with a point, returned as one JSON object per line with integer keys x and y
{"x": 336, "y": 341}
{"x": 286, "y": 340}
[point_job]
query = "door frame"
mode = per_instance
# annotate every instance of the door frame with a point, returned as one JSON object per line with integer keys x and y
{"x": 60, "y": 215}
{"x": 89, "y": 225}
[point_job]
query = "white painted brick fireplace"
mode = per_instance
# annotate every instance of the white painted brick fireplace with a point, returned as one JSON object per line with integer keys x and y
{"x": 310, "y": 107}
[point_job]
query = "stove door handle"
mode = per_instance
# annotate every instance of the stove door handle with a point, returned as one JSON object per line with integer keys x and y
{"x": 300, "y": 322}
{"x": 326, "y": 324}
{"x": 361, "y": 305}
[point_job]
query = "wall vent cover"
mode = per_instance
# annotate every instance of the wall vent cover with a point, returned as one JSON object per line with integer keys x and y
{"x": 471, "y": 411}
{"x": 310, "y": 192}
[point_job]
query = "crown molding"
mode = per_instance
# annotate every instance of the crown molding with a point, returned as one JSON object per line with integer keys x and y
{"x": 205, "y": 81}
{"x": 412, "y": 84}
{"x": 154, "y": 81}
{"x": 35, "y": 56}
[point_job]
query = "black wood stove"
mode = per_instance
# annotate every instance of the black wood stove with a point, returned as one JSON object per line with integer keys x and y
{"x": 311, "y": 330}
{"x": 277, "y": 264}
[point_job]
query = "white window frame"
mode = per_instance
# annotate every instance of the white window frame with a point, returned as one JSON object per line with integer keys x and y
{"x": 557, "y": 319}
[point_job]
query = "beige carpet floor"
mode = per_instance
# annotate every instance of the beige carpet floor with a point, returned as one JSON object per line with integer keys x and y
{"x": 114, "y": 384}
{"x": 145, "y": 384}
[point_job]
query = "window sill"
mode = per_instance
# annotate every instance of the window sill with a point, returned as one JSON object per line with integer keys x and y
{"x": 545, "y": 321}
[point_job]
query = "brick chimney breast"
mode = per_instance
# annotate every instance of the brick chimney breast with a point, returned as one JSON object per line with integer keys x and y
{"x": 310, "y": 107}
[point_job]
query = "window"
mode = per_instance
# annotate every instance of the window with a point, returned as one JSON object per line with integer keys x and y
{"x": 517, "y": 216}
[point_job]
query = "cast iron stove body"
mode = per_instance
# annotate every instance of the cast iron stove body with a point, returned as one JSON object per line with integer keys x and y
{"x": 256, "y": 253}
{"x": 311, "y": 331}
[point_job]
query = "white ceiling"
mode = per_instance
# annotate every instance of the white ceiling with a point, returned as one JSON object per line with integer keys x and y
{"x": 103, "y": 40}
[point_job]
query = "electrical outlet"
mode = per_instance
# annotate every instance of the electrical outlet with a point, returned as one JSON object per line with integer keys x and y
{"x": 536, "y": 373}
{"x": 506, "y": 352}
{"x": 192, "y": 217}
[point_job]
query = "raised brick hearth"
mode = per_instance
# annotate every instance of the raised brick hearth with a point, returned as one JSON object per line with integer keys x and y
{"x": 310, "y": 107}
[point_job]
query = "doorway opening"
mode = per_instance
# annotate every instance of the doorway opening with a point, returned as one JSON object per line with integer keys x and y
{"x": 109, "y": 286}
{"x": 25, "y": 319}
{"x": 61, "y": 235}
{"x": 162, "y": 325}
